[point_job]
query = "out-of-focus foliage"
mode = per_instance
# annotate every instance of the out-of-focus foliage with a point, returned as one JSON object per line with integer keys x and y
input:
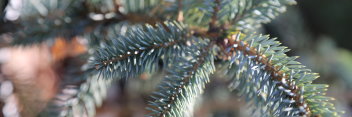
{"x": 317, "y": 49}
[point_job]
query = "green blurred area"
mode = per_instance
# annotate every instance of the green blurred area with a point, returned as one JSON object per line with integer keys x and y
{"x": 329, "y": 17}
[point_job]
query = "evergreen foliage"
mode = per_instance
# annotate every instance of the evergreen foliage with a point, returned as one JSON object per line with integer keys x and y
{"x": 185, "y": 81}
{"x": 43, "y": 19}
{"x": 75, "y": 101}
{"x": 128, "y": 56}
{"x": 130, "y": 37}
{"x": 277, "y": 84}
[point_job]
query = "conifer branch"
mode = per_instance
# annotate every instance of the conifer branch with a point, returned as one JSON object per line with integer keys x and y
{"x": 184, "y": 83}
{"x": 256, "y": 12}
{"x": 129, "y": 55}
{"x": 215, "y": 12}
{"x": 79, "y": 100}
{"x": 275, "y": 83}
{"x": 71, "y": 21}
{"x": 245, "y": 15}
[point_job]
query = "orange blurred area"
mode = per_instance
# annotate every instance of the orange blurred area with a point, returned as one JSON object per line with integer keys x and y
{"x": 63, "y": 48}
{"x": 33, "y": 71}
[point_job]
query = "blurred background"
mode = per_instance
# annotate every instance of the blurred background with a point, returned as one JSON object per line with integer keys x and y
{"x": 319, "y": 31}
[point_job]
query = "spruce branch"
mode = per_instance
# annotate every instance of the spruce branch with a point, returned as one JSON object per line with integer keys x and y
{"x": 106, "y": 7}
{"x": 91, "y": 95}
{"x": 277, "y": 84}
{"x": 253, "y": 13}
{"x": 245, "y": 15}
{"x": 39, "y": 17}
{"x": 214, "y": 16}
{"x": 139, "y": 7}
{"x": 45, "y": 20}
{"x": 193, "y": 12}
{"x": 135, "y": 37}
{"x": 128, "y": 56}
{"x": 185, "y": 82}
{"x": 80, "y": 92}
{"x": 76, "y": 100}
